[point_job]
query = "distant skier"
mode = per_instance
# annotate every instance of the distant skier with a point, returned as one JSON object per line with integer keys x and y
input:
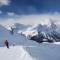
{"x": 7, "y": 44}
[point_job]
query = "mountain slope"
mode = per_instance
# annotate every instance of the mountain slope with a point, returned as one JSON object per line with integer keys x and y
{"x": 14, "y": 53}
{"x": 26, "y": 49}
{"x": 45, "y": 51}
{"x": 38, "y": 32}
{"x": 18, "y": 39}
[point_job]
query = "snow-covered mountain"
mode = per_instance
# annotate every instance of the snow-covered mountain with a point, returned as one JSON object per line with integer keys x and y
{"x": 16, "y": 38}
{"x": 18, "y": 31}
{"x": 26, "y": 49}
{"x": 17, "y": 27}
{"x": 51, "y": 31}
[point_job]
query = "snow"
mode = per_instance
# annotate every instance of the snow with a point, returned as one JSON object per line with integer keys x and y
{"x": 15, "y": 38}
{"x": 25, "y": 49}
{"x": 57, "y": 43}
{"x": 44, "y": 51}
{"x": 14, "y": 53}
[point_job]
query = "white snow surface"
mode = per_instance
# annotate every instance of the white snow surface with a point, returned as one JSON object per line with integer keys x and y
{"x": 14, "y": 53}
{"x": 44, "y": 51}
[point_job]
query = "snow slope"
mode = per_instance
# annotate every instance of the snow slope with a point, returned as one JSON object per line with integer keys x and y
{"x": 25, "y": 49}
{"x": 44, "y": 51}
{"x": 15, "y": 38}
{"x": 14, "y": 53}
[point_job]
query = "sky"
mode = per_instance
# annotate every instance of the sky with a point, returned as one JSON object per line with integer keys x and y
{"x": 29, "y": 6}
{"x": 29, "y": 9}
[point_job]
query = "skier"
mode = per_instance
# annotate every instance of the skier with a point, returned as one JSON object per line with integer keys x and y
{"x": 7, "y": 44}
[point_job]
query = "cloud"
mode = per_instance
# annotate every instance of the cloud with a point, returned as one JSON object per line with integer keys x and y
{"x": 11, "y": 13}
{"x": 4, "y": 2}
{"x": 31, "y": 19}
{"x": 35, "y": 19}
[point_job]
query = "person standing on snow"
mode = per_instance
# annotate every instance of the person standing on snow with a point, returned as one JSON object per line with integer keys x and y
{"x": 7, "y": 44}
